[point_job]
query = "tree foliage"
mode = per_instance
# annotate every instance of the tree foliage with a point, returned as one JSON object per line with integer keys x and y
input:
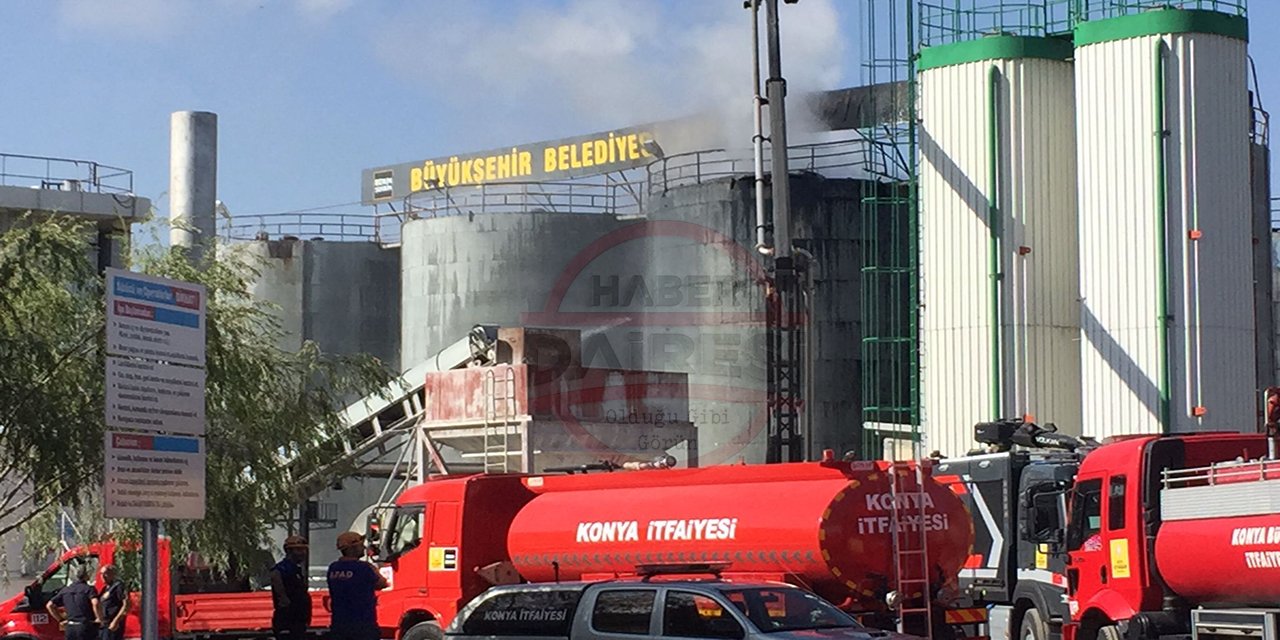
{"x": 263, "y": 404}
{"x": 51, "y": 336}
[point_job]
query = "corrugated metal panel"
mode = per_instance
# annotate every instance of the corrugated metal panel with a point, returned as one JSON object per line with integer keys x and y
{"x": 1120, "y": 363}
{"x": 1208, "y": 174}
{"x": 1212, "y": 156}
{"x": 1037, "y": 198}
{"x": 1041, "y": 206}
{"x": 1221, "y": 501}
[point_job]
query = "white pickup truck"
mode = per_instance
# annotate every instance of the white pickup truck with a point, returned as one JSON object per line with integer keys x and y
{"x": 656, "y": 609}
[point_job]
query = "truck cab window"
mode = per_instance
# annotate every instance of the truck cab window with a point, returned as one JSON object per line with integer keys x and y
{"x": 623, "y": 611}
{"x": 787, "y": 609}
{"x": 1086, "y": 513}
{"x": 1115, "y": 503}
{"x": 1043, "y": 513}
{"x": 66, "y": 572}
{"x": 406, "y": 531}
{"x": 690, "y": 615}
{"x": 540, "y": 613}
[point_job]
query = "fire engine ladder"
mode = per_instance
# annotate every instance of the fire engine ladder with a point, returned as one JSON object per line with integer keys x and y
{"x": 500, "y": 411}
{"x": 911, "y": 549}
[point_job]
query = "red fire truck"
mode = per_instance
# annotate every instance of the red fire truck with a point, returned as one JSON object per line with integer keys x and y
{"x": 1167, "y": 536}
{"x": 229, "y": 611}
{"x": 826, "y": 526}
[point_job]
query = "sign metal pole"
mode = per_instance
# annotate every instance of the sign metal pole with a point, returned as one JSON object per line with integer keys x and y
{"x": 150, "y": 579}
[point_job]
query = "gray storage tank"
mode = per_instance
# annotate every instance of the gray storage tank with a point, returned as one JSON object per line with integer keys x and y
{"x": 827, "y": 221}
{"x": 677, "y": 289}
{"x": 343, "y": 295}
{"x": 495, "y": 268}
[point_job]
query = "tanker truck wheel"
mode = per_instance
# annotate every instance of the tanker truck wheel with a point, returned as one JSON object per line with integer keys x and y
{"x": 428, "y": 631}
{"x": 1109, "y": 632}
{"x": 1034, "y": 628}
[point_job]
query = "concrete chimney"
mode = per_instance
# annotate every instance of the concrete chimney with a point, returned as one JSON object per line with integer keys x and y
{"x": 193, "y": 179}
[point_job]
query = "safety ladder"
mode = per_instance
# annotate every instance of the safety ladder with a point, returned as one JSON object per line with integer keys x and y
{"x": 499, "y": 417}
{"x": 911, "y": 549}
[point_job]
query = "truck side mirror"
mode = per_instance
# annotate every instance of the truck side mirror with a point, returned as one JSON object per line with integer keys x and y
{"x": 373, "y": 535}
{"x": 1042, "y": 520}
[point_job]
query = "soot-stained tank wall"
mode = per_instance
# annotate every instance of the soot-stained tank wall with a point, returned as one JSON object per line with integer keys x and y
{"x": 500, "y": 269}
{"x": 680, "y": 289}
{"x": 353, "y": 295}
{"x": 708, "y": 231}
{"x": 345, "y": 296}
{"x": 829, "y": 226}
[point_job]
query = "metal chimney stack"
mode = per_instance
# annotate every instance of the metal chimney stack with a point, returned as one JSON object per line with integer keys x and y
{"x": 193, "y": 180}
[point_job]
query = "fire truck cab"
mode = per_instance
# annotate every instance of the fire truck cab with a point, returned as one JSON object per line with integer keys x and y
{"x": 1115, "y": 585}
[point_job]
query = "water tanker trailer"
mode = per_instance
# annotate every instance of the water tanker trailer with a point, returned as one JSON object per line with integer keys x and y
{"x": 826, "y": 526}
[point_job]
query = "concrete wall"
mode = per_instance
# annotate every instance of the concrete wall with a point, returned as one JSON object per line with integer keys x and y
{"x": 98, "y": 207}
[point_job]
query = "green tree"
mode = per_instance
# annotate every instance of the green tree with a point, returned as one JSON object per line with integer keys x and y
{"x": 264, "y": 405}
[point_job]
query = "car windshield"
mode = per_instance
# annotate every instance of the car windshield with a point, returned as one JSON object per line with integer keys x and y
{"x": 777, "y": 609}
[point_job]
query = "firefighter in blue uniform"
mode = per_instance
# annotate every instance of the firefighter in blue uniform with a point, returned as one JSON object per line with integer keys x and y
{"x": 290, "y": 597}
{"x": 353, "y": 588}
{"x": 75, "y": 607}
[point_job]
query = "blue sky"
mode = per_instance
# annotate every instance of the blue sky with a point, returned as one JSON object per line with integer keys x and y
{"x": 309, "y": 92}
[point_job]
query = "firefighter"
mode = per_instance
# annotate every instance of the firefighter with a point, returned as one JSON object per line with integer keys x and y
{"x": 113, "y": 605}
{"x": 75, "y": 608}
{"x": 289, "y": 595}
{"x": 353, "y": 588}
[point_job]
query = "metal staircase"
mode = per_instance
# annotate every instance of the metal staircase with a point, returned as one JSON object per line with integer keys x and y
{"x": 911, "y": 550}
{"x": 499, "y": 419}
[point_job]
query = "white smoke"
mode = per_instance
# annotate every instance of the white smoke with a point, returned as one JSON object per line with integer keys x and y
{"x": 592, "y": 64}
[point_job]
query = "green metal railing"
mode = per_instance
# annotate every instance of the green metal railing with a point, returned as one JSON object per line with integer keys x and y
{"x": 890, "y": 373}
{"x": 948, "y": 21}
{"x": 1082, "y": 10}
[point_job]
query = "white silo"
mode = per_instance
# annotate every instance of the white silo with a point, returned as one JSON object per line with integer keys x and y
{"x": 1167, "y": 315}
{"x": 999, "y": 294}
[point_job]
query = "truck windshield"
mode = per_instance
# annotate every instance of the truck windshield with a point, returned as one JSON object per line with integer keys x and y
{"x": 406, "y": 531}
{"x": 781, "y": 609}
